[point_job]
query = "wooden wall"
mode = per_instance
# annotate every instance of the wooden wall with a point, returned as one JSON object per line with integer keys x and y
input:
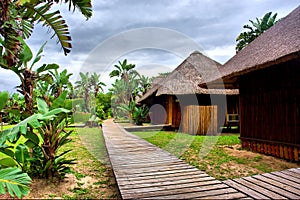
{"x": 200, "y": 120}
{"x": 174, "y": 107}
{"x": 270, "y": 110}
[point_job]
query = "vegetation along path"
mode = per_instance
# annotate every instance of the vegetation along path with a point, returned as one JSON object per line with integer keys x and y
{"x": 145, "y": 171}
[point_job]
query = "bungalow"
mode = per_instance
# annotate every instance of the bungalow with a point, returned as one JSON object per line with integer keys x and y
{"x": 178, "y": 100}
{"x": 267, "y": 75}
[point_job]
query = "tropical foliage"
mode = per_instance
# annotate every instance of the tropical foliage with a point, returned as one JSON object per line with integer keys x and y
{"x": 18, "y": 18}
{"x": 16, "y": 182}
{"x": 126, "y": 90}
{"x": 11, "y": 179}
{"x": 255, "y": 29}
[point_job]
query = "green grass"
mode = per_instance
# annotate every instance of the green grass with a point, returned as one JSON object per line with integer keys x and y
{"x": 81, "y": 117}
{"x": 88, "y": 147}
{"x": 208, "y": 153}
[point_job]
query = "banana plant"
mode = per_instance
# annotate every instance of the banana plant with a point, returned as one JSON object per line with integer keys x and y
{"x": 12, "y": 179}
{"x": 45, "y": 136}
{"x": 18, "y": 18}
{"x": 255, "y": 29}
{"x": 3, "y": 99}
{"x": 15, "y": 182}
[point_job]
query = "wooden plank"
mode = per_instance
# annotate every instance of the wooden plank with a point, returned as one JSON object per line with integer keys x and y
{"x": 145, "y": 170}
{"x": 175, "y": 191}
{"x": 202, "y": 194}
{"x": 157, "y": 173}
{"x": 270, "y": 187}
{"x": 279, "y": 185}
{"x": 291, "y": 173}
{"x": 159, "y": 176}
{"x": 165, "y": 183}
{"x": 286, "y": 177}
{"x": 282, "y": 180}
{"x": 296, "y": 170}
{"x": 171, "y": 187}
{"x": 226, "y": 196}
{"x": 252, "y": 193}
{"x": 164, "y": 179}
{"x": 259, "y": 189}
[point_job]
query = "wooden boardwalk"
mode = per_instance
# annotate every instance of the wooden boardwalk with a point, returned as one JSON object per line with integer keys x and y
{"x": 275, "y": 185}
{"x": 144, "y": 171}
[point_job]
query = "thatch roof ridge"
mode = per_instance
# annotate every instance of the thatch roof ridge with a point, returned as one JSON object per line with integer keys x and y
{"x": 191, "y": 72}
{"x": 185, "y": 78}
{"x": 278, "y": 44}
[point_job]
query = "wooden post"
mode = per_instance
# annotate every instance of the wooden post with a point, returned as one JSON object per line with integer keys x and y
{"x": 170, "y": 110}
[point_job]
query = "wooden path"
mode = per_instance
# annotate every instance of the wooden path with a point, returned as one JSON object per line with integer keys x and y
{"x": 144, "y": 171}
{"x": 274, "y": 185}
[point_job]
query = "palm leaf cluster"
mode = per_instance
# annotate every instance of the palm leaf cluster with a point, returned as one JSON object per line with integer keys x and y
{"x": 255, "y": 29}
{"x": 18, "y": 17}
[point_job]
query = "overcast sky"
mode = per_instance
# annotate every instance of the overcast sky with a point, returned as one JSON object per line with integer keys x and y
{"x": 120, "y": 29}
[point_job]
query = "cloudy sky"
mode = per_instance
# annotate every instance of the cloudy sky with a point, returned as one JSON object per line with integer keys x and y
{"x": 154, "y": 35}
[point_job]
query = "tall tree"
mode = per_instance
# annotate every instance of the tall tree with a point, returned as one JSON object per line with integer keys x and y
{"x": 83, "y": 86}
{"x": 255, "y": 29}
{"x": 96, "y": 83}
{"x": 126, "y": 72}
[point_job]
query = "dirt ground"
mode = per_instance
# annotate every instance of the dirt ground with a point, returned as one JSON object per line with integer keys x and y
{"x": 270, "y": 163}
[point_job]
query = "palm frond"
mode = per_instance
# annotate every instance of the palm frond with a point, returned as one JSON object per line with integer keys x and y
{"x": 85, "y": 7}
{"x": 53, "y": 20}
{"x": 15, "y": 181}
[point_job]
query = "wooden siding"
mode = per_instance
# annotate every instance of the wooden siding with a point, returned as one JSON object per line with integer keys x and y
{"x": 200, "y": 120}
{"x": 170, "y": 109}
{"x": 270, "y": 110}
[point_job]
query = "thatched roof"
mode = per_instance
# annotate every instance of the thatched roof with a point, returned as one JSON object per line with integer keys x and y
{"x": 187, "y": 76}
{"x": 278, "y": 44}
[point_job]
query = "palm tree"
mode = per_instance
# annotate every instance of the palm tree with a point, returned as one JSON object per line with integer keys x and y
{"x": 61, "y": 82}
{"x": 145, "y": 84}
{"x": 18, "y": 17}
{"x": 83, "y": 86}
{"x": 96, "y": 83}
{"x": 255, "y": 29}
{"x": 127, "y": 73}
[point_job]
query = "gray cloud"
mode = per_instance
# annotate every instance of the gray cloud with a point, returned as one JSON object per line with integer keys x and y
{"x": 212, "y": 24}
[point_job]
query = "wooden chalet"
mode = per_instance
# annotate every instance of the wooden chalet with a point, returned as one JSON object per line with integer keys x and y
{"x": 178, "y": 100}
{"x": 267, "y": 75}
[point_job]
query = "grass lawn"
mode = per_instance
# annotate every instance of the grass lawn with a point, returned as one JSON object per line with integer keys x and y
{"x": 219, "y": 156}
{"x": 90, "y": 178}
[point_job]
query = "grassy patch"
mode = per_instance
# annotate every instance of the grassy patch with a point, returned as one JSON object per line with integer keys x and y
{"x": 219, "y": 156}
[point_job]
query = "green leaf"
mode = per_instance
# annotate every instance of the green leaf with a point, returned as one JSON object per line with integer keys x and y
{"x": 33, "y": 138}
{"x": 56, "y": 111}
{"x": 53, "y": 20}
{"x": 21, "y": 153}
{"x": 7, "y": 151}
{"x": 7, "y": 162}
{"x": 47, "y": 67}
{"x": 42, "y": 106}
{"x": 38, "y": 55}
{"x": 16, "y": 182}
{"x": 3, "y": 99}
{"x": 59, "y": 101}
